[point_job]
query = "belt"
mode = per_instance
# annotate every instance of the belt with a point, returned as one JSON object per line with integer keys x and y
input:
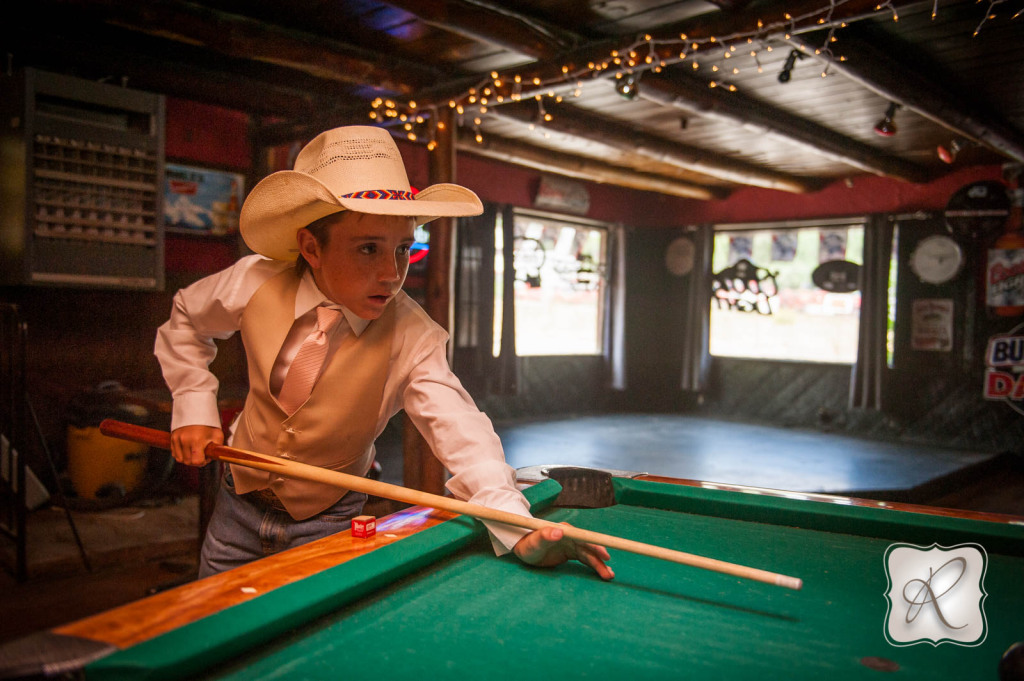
{"x": 265, "y": 497}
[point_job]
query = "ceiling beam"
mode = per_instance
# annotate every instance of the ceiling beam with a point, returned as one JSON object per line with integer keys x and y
{"x": 696, "y": 98}
{"x": 243, "y": 38}
{"x": 98, "y": 58}
{"x": 872, "y": 66}
{"x": 576, "y": 122}
{"x": 492, "y": 23}
{"x": 569, "y": 165}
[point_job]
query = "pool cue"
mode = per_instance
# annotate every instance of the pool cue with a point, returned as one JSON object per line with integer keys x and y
{"x": 301, "y": 471}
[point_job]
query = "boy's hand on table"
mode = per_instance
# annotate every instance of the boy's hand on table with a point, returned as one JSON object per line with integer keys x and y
{"x": 188, "y": 444}
{"x": 548, "y": 547}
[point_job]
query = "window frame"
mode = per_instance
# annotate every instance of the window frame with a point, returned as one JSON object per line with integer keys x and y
{"x": 607, "y": 229}
{"x": 861, "y": 221}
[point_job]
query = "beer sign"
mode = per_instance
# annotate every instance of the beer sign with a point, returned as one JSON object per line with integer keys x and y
{"x": 1004, "y": 373}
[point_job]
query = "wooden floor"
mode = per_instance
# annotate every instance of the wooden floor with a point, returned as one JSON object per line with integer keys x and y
{"x": 134, "y": 551}
{"x": 737, "y": 453}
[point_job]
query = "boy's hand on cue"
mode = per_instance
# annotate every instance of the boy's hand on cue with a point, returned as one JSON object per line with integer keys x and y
{"x": 548, "y": 547}
{"x": 188, "y": 444}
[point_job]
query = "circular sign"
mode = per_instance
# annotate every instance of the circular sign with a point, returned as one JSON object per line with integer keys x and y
{"x": 837, "y": 276}
{"x": 679, "y": 256}
{"x": 978, "y": 209}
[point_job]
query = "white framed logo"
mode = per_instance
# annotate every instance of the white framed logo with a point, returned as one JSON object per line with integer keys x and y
{"x": 935, "y": 594}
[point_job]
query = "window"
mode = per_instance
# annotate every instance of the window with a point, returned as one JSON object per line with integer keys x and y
{"x": 559, "y": 285}
{"x": 766, "y": 304}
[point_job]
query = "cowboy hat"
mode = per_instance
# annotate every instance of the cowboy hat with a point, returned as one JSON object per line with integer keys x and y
{"x": 355, "y": 168}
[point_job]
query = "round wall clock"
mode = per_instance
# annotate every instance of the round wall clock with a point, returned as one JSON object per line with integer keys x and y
{"x": 936, "y": 259}
{"x": 679, "y": 256}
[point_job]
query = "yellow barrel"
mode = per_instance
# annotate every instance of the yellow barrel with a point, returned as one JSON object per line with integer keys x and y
{"x": 101, "y": 466}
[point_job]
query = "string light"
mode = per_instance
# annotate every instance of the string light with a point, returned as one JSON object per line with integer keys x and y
{"x": 989, "y": 14}
{"x": 646, "y": 53}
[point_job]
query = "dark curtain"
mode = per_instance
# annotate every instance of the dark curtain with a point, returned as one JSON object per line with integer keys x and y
{"x": 697, "y": 310}
{"x": 473, "y": 336}
{"x": 615, "y": 308}
{"x": 869, "y": 371}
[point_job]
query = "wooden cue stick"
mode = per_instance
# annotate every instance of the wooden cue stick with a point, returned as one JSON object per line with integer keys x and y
{"x": 295, "y": 469}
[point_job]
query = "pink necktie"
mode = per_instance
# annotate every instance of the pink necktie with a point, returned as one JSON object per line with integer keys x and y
{"x": 307, "y": 363}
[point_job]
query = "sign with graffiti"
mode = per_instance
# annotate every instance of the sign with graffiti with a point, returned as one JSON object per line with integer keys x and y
{"x": 1004, "y": 372}
{"x": 744, "y": 287}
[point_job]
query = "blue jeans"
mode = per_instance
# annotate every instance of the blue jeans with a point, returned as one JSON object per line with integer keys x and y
{"x": 242, "y": 529}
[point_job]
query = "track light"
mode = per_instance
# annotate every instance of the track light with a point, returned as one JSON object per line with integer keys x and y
{"x": 948, "y": 154}
{"x": 787, "y": 69}
{"x": 628, "y": 86}
{"x": 887, "y": 127}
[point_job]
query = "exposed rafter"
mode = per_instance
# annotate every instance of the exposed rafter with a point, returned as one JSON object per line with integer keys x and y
{"x": 244, "y": 38}
{"x": 875, "y": 68}
{"x": 493, "y": 23}
{"x": 697, "y": 98}
{"x": 575, "y": 122}
{"x": 581, "y": 168}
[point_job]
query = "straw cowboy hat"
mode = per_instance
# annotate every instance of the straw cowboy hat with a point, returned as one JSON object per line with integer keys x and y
{"x": 354, "y": 168}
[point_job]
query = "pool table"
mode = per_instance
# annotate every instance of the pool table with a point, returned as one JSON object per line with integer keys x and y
{"x": 427, "y": 599}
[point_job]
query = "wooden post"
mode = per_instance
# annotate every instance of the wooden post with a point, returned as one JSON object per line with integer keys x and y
{"x": 422, "y": 470}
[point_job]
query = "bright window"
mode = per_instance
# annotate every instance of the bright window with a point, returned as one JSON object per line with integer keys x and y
{"x": 559, "y": 285}
{"x": 774, "y": 309}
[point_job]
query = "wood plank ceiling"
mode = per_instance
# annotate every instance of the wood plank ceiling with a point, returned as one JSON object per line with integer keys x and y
{"x": 710, "y": 111}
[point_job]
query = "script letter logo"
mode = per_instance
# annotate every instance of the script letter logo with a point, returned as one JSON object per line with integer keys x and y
{"x": 935, "y": 594}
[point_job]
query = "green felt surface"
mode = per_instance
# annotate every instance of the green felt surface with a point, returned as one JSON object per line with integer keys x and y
{"x": 461, "y": 613}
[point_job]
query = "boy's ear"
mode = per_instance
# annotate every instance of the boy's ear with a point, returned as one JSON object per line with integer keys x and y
{"x": 308, "y": 247}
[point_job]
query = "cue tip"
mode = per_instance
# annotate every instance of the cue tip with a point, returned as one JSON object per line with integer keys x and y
{"x": 794, "y": 583}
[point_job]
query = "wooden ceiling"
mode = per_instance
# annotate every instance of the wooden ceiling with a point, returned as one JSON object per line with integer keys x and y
{"x": 711, "y": 112}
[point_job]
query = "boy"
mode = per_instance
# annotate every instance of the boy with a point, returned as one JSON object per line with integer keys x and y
{"x": 321, "y": 302}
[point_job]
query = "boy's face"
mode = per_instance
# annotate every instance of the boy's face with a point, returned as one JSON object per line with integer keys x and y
{"x": 364, "y": 263}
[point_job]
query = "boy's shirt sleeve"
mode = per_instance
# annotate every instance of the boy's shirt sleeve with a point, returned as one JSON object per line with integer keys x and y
{"x": 463, "y": 438}
{"x": 202, "y": 313}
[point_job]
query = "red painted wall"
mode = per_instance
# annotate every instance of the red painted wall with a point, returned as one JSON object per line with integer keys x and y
{"x": 867, "y": 194}
{"x": 201, "y": 134}
{"x": 500, "y": 182}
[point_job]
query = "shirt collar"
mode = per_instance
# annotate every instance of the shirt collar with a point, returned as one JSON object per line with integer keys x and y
{"x": 310, "y": 296}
